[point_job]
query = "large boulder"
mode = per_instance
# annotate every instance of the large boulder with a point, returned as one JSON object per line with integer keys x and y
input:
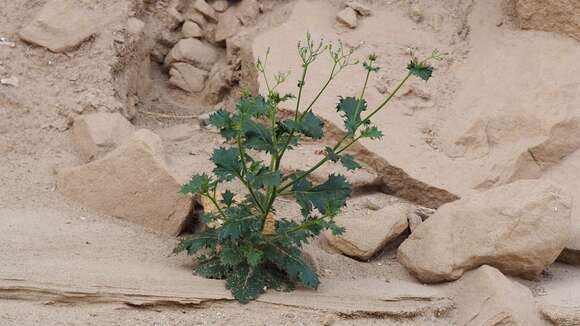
{"x": 367, "y": 234}
{"x": 96, "y": 134}
{"x": 486, "y": 297}
{"x": 520, "y": 228}
{"x": 132, "y": 183}
{"x": 60, "y": 25}
{"x": 550, "y": 15}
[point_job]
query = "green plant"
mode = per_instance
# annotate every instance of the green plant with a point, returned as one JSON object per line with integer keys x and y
{"x": 244, "y": 242}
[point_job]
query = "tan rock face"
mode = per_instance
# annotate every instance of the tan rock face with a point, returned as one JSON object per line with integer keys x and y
{"x": 193, "y": 51}
{"x": 228, "y": 25}
{"x": 206, "y": 10}
{"x": 367, "y": 235}
{"x": 486, "y": 297}
{"x": 61, "y": 25}
{"x": 359, "y": 8}
{"x": 98, "y": 133}
{"x": 187, "y": 77}
{"x": 550, "y": 15}
{"x": 131, "y": 183}
{"x": 520, "y": 228}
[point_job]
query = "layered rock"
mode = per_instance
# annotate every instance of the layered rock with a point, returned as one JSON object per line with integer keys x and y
{"x": 519, "y": 228}
{"x": 561, "y": 16}
{"x": 132, "y": 183}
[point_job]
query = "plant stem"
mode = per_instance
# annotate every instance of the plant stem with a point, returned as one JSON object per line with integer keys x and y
{"x": 244, "y": 171}
{"x": 215, "y": 203}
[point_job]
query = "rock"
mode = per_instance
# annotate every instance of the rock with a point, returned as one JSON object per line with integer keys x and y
{"x": 60, "y": 26}
{"x": 560, "y": 315}
{"x": 367, "y": 235}
{"x": 168, "y": 38}
{"x": 571, "y": 253}
{"x": 486, "y": 297}
{"x": 196, "y": 17}
{"x": 96, "y": 134}
{"x": 561, "y": 16}
{"x": 206, "y": 10}
{"x": 178, "y": 132}
{"x": 416, "y": 14}
{"x": 220, "y": 5}
{"x": 10, "y": 81}
{"x": 191, "y": 29}
{"x": 132, "y": 183}
{"x": 187, "y": 77}
{"x": 359, "y": 8}
{"x": 520, "y": 228}
{"x": 193, "y": 51}
{"x": 218, "y": 84}
{"x": 176, "y": 17}
{"x": 228, "y": 25}
{"x": 247, "y": 11}
{"x": 347, "y": 17}
{"x": 135, "y": 26}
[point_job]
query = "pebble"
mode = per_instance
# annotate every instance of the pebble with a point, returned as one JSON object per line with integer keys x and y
{"x": 11, "y": 81}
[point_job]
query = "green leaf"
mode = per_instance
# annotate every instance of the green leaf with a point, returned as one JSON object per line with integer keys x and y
{"x": 227, "y": 198}
{"x": 420, "y": 69}
{"x": 228, "y": 163}
{"x": 372, "y": 132}
{"x": 241, "y": 220}
{"x": 225, "y": 122}
{"x": 254, "y": 106}
{"x": 194, "y": 243}
{"x": 265, "y": 178}
{"x": 230, "y": 257}
{"x": 258, "y": 137}
{"x": 336, "y": 189}
{"x": 310, "y": 125}
{"x": 289, "y": 259}
{"x": 346, "y": 160}
{"x": 351, "y": 109}
{"x": 253, "y": 256}
{"x": 246, "y": 283}
{"x": 199, "y": 184}
{"x": 211, "y": 268}
{"x": 278, "y": 280}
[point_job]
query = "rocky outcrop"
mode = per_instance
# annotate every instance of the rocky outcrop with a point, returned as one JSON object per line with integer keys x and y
{"x": 366, "y": 235}
{"x": 561, "y": 16}
{"x": 187, "y": 77}
{"x": 193, "y": 51}
{"x": 486, "y": 297}
{"x": 61, "y": 25}
{"x": 96, "y": 134}
{"x": 347, "y": 17}
{"x": 132, "y": 183}
{"x": 519, "y": 228}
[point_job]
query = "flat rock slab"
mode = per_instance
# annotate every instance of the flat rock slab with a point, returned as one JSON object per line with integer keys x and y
{"x": 124, "y": 265}
{"x": 60, "y": 25}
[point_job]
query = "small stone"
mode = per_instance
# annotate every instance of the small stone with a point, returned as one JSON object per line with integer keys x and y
{"x": 135, "y": 26}
{"x": 218, "y": 84}
{"x": 228, "y": 25}
{"x": 416, "y": 14}
{"x": 359, "y": 8}
{"x": 365, "y": 236}
{"x": 193, "y": 51}
{"x": 347, "y": 17}
{"x": 372, "y": 205}
{"x": 187, "y": 77}
{"x": 96, "y": 134}
{"x": 486, "y": 297}
{"x": 220, "y": 5}
{"x": 247, "y": 11}
{"x": 10, "y": 81}
{"x": 60, "y": 26}
{"x": 191, "y": 29}
{"x": 206, "y": 10}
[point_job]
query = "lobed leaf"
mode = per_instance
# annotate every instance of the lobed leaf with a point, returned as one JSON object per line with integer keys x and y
{"x": 228, "y": 163}
{"x": 351, "y": 109}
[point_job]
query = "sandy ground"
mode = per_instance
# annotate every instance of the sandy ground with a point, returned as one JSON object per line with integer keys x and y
{"x": 490, "y": 70}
